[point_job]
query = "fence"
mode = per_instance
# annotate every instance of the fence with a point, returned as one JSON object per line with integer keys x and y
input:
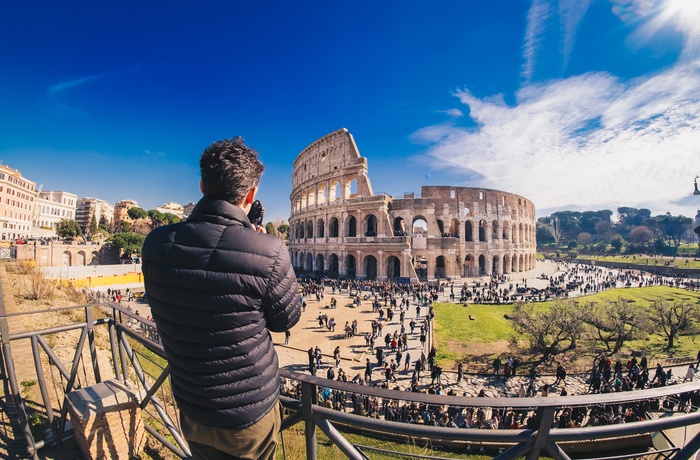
{"x": 136, "y": 356}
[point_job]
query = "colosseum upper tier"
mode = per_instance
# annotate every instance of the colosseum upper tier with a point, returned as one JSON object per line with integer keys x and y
{"x": 339, "y": 228}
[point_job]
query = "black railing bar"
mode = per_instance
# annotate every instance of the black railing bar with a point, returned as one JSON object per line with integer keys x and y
{"x": 624, "y": 429}
{"x": 173, "y": 448}
{"x": 130, "y": 313}
{"x": 91, "y": 344}
{"x": 309, "y": 397}
{"x": 48, "y": 331}
{"x": 517, "y": 451}
{"x": 291, "y": 420}
{"x": 52, "y": 356}
{"x": 19, "y": 402}
{"x": 148, "y": 343}
{"x": 165, "y": 418}
{"x": 506, "y": 402}
{"x": 49, "y": 310}
{"x": 556, "y": 451}
{"x": 339, "y": 440}
{"x": 156, "y": 385}
{"x": 113, "y": 349}
{"x": 42, "y": 387}
{"x": 72, "y": 376}
{"x": 425, "y": 431}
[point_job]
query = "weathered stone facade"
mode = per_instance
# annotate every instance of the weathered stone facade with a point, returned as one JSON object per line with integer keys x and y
{"x": 340, "y": 228}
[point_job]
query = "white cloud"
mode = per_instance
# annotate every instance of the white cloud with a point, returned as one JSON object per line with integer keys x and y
{"x": 570, "y": 15}
{"x": 537, "y": 17}
{"x": 454, "y": 113}
{"x": 586, "y": 142}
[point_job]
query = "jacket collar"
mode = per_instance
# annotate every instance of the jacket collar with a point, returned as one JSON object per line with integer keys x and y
{"x": 214, "y": 210}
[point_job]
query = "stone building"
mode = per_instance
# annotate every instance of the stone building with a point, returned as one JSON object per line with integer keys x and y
{"x": 17, "y": 199}
{"x": 121, "y": 212}
{"x": 339, "y": 227}
{"x": 89, "y": 207}
{"x": 50, "y": 208}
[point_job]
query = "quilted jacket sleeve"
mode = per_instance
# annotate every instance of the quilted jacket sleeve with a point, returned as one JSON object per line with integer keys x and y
{"x": 282, "y": 303}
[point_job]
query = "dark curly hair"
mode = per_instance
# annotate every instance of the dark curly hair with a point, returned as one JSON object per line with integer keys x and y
{"x": 229, "y": 169}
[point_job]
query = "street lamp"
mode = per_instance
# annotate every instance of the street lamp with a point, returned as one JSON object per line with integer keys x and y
{"x": 696, "y": 192}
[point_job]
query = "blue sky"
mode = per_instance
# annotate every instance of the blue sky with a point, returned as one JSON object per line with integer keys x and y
{"x": 575, "y": 104}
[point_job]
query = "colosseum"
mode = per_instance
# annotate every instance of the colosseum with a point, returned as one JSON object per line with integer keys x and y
{"x": 339, "y": 228}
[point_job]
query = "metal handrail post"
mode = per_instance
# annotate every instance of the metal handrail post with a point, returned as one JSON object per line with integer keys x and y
{"x": 89, "y": 320}
{"x": 44, "y": 390}
{"x": 308, "y": 400}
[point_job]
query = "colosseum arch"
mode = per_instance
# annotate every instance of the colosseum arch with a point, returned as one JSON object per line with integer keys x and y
{"x": 420, "y": 220}
{"x": 440, "y": 267}
{"x": 350, "y": 269}
{"x": 370, "y": 225}
{"x": 330, "y": 184}
{"x": 333, "y": 227}
{"x": 81, "y": 259}
{"x": 399, "y": 226}
{"x": 393, "y": 267}
{"x": 333, "y": 267}
{"x": 370, "y": 265}
{"x": 319, "y": 268}
{"x": 468, "y": 231}
{"x": 351, "y": 226}
{"x": 495, "y": 230}
{"x": 309, "y": 266}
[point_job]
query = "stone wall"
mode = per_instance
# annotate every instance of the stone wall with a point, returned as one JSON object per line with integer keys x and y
{"x": 340, "y": 228}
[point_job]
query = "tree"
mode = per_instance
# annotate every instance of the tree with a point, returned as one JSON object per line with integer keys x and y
{"x": 125, "y": 226}
{"x": 555, "y": 228}
{"x": 136, "y": 213}
{"x": 641, "y": 234}
{"x": 616, "y": 243}
{"x": 283, "y": 229}
{"x": 671, "y": 227}
{"x": 130, "y": 244}
{"x": 170, "y": 218}
{"x": 584, "y": 238}
{"x": 93, "y": 226}
{"x": 697, "y": 232}
{"x": 157, "y": 217}
{"x": 270, "y": 229}
{"x": 68, "y": 228}
{"x": 617, "y": 322}
{"x": 572, "y": 244}
{"x": 674, "y": 318}
{"x": 548, "y": 330}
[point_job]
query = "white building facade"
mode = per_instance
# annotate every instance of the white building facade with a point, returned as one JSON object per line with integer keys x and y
{"x": 51, "y": 207}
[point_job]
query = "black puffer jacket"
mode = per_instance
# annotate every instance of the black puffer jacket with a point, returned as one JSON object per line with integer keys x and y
{"x": 215, "y": 287}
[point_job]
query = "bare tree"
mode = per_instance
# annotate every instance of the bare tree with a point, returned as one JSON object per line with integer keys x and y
{"x": 674, "y": 318}
{"x": 555, "y": 229}
{"x": 549, "y": 332}
{"x": 617, "y": 322}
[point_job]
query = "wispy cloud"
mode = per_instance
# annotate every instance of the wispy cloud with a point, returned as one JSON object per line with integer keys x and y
{"x": 542, "y": 19}
{"x": 586, "y": 142}
{"x": 570, "y": 15}
{"x": 54, "y": 92}
{"x": 537, "y": 17}
{"x": 454, "y": 113}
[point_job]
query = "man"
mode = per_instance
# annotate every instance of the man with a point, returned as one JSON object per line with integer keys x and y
{"x": 216, "y": 288}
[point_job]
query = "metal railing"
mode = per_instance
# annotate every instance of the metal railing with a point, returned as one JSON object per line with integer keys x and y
{"x": 330, "y": 405}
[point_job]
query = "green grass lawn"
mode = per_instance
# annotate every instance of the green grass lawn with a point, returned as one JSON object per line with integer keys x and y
{"x": 677, "y": 262}
{"x": 457, "y": 338}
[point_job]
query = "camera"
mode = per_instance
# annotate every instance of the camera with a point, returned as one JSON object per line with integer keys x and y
{"x": 256, "y": 213}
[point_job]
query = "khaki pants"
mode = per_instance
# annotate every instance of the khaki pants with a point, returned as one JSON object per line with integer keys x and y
{"x": 258, "y": 441}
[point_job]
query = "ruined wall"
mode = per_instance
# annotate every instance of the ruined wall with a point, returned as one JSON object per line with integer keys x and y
{"x": 338, "y": 227}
